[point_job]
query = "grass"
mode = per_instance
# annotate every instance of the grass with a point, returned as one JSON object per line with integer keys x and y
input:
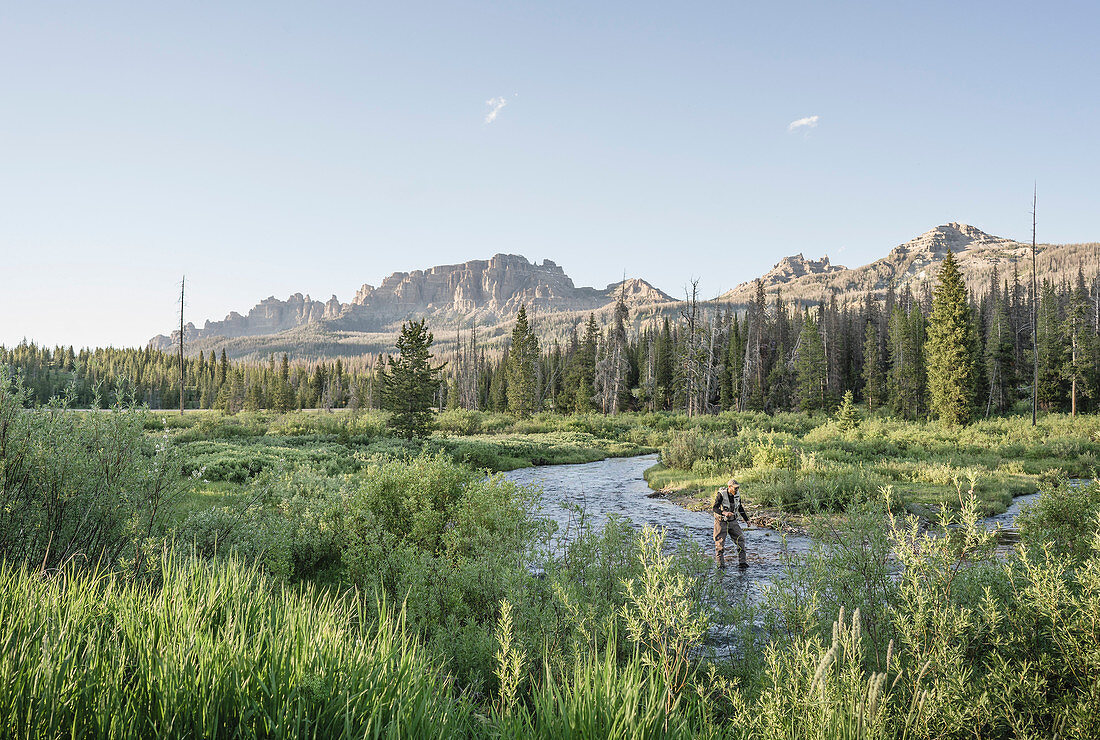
{"x": 508, "y": 452}
{"x": 921, "y": 466}
{"x": 263, "y": 630}
{"x": 214, "y": 650}
{"x": 789, "y": 463}
{"x": 223, "y": 455}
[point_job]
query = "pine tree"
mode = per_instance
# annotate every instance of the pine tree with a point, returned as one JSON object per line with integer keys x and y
{"x": 410, "y": 381}
{"x": 581, "y": 374}
{"x": 780, "y": 384}
{"x": 498, "y": 386}
{"x": 905, "y": 384}
{"x": 1077, "y": 331}
{"x": 874, "y": 379}
{"x": 950, "y": 347}
{"x": 1052, "y": 350}
{"x": 999, "y": 354}
{"x": 223, "y": 370}
{"x": 664, "y": 366}
{"x": 810, "y": 366}
{"x": 847, "y": 417}
{"x": 523, "y": 357}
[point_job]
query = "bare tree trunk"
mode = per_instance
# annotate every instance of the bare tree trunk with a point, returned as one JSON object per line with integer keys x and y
{"x": 689, "y": 350}
{"x": 183, "y": 284}
{"x": 1073, "y": 382}
{"x": 709, "y": 370}
{"x": 1034, "y": 318}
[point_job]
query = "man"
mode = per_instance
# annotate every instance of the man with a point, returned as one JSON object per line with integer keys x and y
{"x": 727, "y": 507}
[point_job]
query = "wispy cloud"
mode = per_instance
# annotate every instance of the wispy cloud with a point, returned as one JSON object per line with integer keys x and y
{"x": 807, "y": 122}
{"x": 495, "y": 106}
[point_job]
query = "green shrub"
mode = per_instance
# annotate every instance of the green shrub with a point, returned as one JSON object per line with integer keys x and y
{"x": 447, "y": 542}
{"x": 459, "y": 421}
{"x": 1063, "y": 519}
{"x": 86, "y": 484}
{"x": 238, "y": 463}
{"x": 291, "y": 524}
{"x": 687, "y": 448}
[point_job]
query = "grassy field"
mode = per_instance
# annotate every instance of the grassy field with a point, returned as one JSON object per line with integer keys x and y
{"x": 223, "y": 455}
{"x": 306, "y": 575}
{"x": 791, "y": 465}
{"x": 794, "y": 464}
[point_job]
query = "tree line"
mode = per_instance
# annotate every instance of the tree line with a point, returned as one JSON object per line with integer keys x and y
{"x": 901, "y": 352}
{"x": 937, "y": 352}
{"x": 102, "y": 376}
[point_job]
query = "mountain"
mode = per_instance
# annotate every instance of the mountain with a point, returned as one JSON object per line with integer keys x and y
{"x": 484, "y": 293}
{"x": 487, "y": 293}
{"x": 914, "y": 264}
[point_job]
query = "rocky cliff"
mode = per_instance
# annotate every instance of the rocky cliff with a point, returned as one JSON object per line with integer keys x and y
{"x": 487, "y": 293}
{"x": 913, "y": 264}
{"x": 478, "y": 292}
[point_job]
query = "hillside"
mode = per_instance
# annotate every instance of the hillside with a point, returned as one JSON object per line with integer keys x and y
{"x": 914, "y": 265}
{"x": 453, "y": 298}
{"x": 487, "y": 293}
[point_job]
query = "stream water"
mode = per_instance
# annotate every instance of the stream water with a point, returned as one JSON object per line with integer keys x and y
{"x": 616, "y": 486}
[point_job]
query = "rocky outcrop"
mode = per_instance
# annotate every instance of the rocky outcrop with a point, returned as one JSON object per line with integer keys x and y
{"x": 269, "y": 316}
{"x": 796, "y": 266}
{"x": 487, "y": 293}
{"x": 499, "y": 285}
{"x": 913, "y": 264}
{"x": 480, "y": 291}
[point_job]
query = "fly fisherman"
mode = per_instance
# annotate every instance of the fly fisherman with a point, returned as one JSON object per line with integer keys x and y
{"x": 727, "y": 507}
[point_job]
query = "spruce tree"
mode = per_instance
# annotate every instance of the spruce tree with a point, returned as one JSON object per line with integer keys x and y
{"x": 581, "y": 375}
{"x": 874, "y": 380}
{"x": 950, "y": 347}
{"x": 409, "y": 382}
{"x": 1080, "y": 339}
{"x": 665, "y": 372}
{"x": 1053, "y": 385}
{"x": 498, "y": 386}
{"x": 999, "y": 355}
{"x": 522, "y": 367}
{"x": 905, "y": 384}
{"x": 847, "y": 417}
{"x": 810, "y": 366}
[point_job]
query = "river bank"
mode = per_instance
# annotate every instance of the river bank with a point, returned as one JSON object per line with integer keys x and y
{"x": 618, "y": 487}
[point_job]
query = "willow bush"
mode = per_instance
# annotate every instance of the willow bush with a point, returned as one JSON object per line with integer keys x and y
{"x": 88, "y": 485}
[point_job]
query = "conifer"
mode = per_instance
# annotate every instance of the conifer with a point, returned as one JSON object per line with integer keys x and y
{"x": 950, "y": 347}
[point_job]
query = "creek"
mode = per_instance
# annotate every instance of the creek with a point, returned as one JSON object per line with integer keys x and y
{"x": 616, "y": 486}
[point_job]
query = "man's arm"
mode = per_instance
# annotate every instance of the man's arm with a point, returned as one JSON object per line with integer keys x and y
{"x": 716, "y": 507}
{"x": 743, "y": 514}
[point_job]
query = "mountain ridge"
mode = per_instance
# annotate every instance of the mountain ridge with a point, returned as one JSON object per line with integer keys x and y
{"x": 487, "y": 293}
{"x": 474, "y": 292}
{"x": 912, "y": 264}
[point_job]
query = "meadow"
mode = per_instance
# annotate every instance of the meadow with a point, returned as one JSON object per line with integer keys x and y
{"x": 306, "y": 575}
{"x": 796, "y": 464}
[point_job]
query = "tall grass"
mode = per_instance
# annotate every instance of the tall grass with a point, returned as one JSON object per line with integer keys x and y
{"x": 214, "y": 650}
{"x": 946, "y": 638}
{"x": 819, "y": 465}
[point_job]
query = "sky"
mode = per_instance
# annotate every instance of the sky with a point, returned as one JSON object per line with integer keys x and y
{"x": 270, "y": 148}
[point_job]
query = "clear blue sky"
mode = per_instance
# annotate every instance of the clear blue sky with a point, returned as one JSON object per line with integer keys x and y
{"x": 271, "y": 148}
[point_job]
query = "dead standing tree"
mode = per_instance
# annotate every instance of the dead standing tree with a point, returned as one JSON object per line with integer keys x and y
{"x": 1034, "y": 317}
{"x": 183, "y": 284}
{"x": 688, "y": 361}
